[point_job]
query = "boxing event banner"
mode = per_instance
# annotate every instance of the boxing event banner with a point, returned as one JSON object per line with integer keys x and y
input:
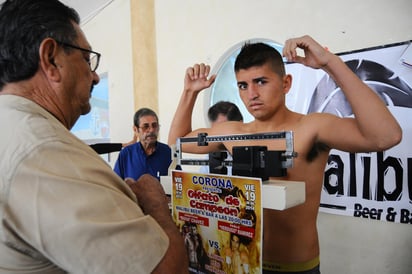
{"x": 378, "y": 185}
{"x": 220, "y": 218}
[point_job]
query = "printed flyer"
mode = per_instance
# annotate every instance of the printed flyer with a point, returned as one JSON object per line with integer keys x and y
{"x": 220, "y": 218}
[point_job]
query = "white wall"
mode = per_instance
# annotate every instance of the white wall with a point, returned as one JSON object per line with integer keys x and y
{"x": 354, "y": 245}
{"x": 190, "y": 31}
{"x": 110, "y": 34}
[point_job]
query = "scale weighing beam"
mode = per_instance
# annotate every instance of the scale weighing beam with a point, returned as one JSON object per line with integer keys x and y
{"x": 276, "y": 194}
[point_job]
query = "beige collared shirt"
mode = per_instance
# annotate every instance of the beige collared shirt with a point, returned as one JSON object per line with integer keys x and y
{"x": 62, "y": 208}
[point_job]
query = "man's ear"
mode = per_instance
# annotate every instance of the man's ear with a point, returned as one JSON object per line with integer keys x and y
{"x": 47, "y": 52}
{"x": 287, "y": 83}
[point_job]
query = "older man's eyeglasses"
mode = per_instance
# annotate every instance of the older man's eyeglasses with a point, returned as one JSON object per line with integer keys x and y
{"x": 94, "y": 57}
{"x": 146, "y": 126}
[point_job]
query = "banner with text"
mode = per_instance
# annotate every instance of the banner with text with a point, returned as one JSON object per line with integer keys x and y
{"x": 367, "y": 185}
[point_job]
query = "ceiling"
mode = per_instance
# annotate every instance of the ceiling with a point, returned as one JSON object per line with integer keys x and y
{"x": 87, "y": 9}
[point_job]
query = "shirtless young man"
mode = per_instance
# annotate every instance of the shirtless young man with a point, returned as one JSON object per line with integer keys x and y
{"x": 290, "y": 236}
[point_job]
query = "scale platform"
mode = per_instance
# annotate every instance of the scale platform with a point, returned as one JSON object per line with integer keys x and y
{"x": 276, "y": 194}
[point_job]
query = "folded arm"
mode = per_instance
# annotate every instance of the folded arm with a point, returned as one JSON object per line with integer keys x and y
{"x": 373, "y": 128}
{"x": 152, "y": 199}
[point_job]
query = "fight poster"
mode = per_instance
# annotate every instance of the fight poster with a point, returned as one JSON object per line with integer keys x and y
{"x": 375, "y": 185}
{"x": 220, "y": 218}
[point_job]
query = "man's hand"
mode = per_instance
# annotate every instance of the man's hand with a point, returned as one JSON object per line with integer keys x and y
{"x": 150, "y": 195}
{"x": 196, "y": 78}
{"x": 315, "y": 56}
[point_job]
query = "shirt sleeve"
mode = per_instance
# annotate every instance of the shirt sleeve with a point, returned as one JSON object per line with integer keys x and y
{"x": 68, "y": 204}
